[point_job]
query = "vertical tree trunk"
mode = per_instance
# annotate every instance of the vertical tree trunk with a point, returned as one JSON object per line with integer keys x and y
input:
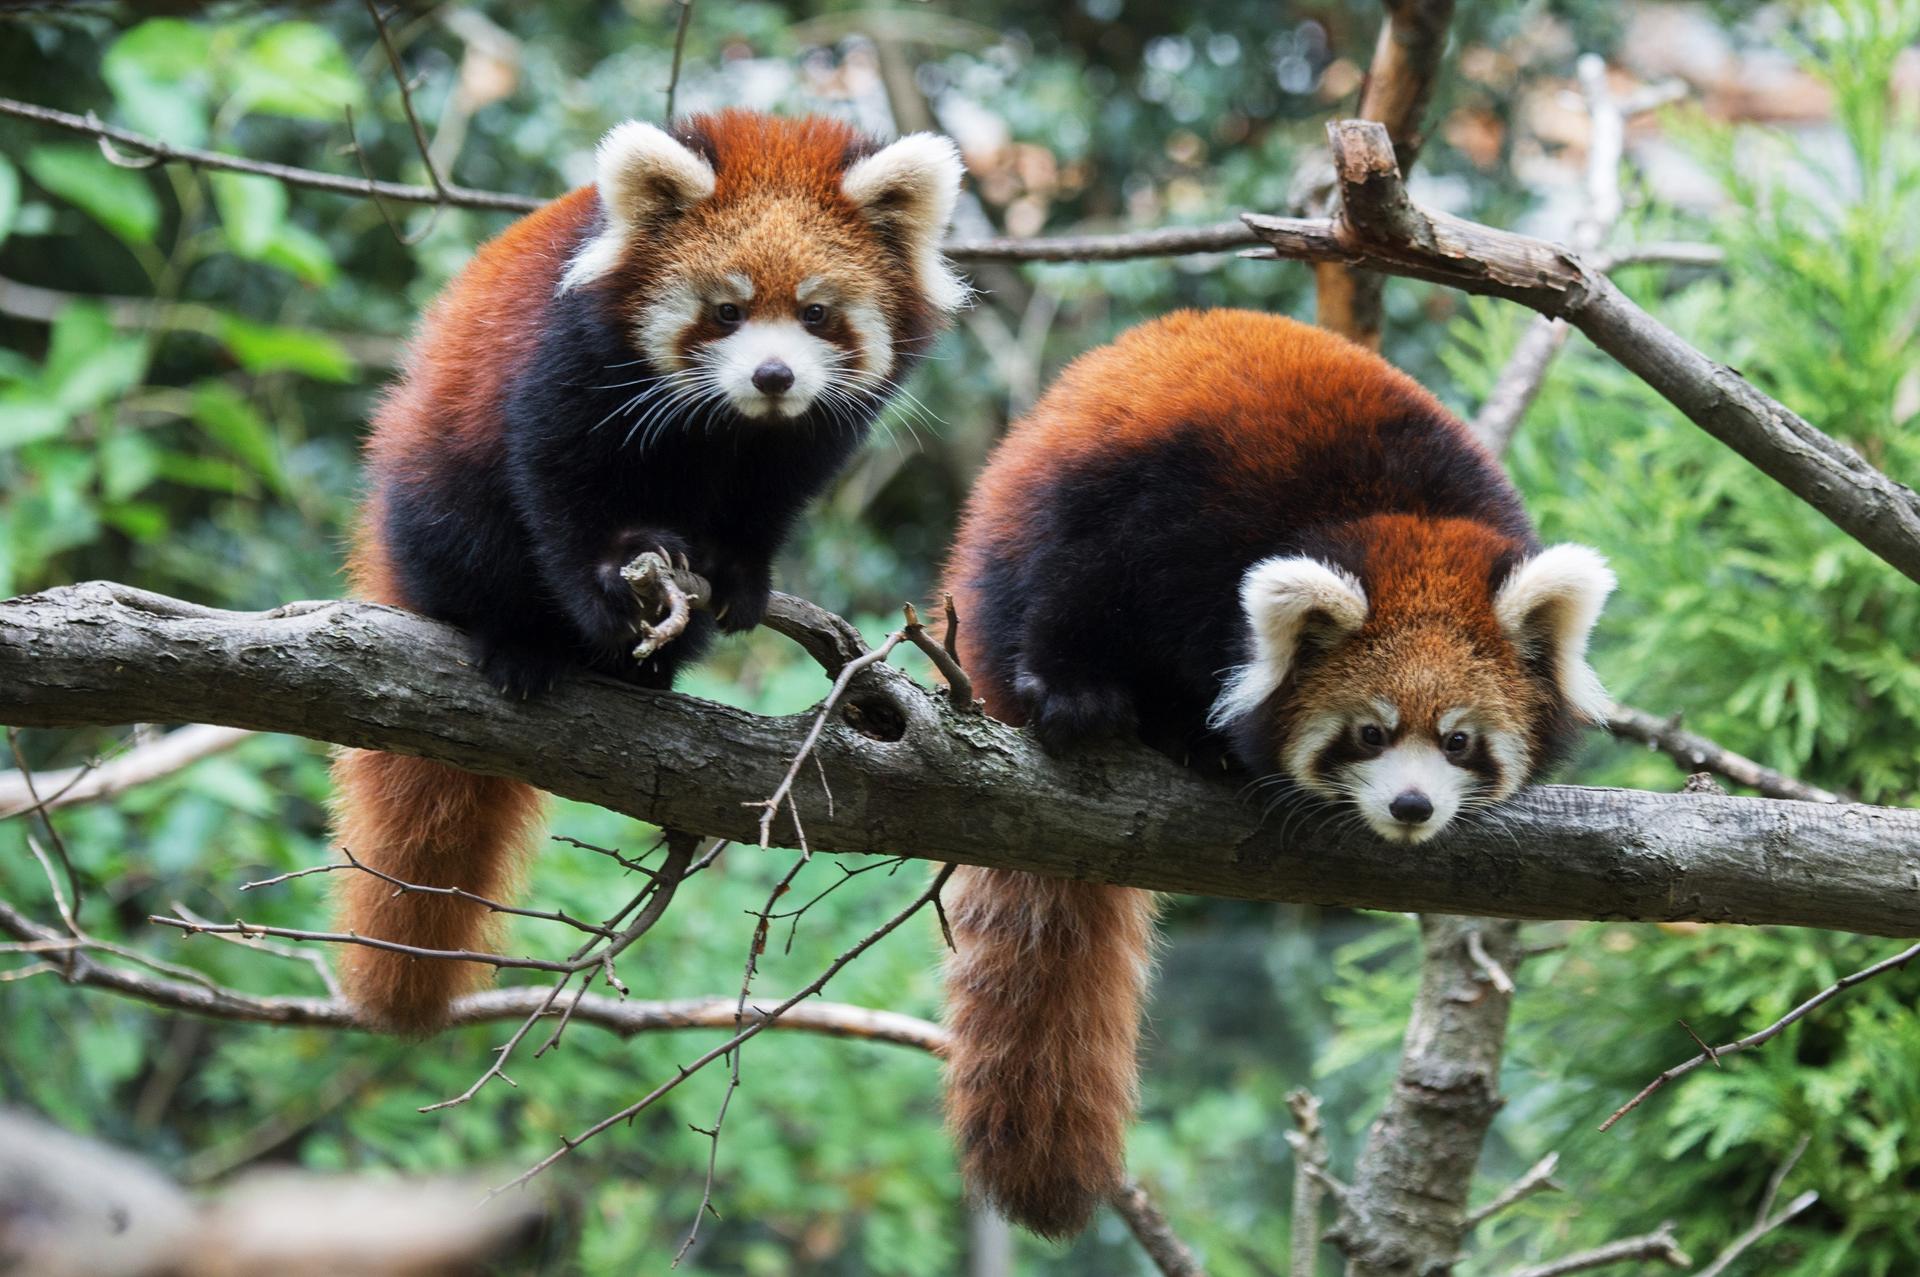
{"x": 1406, "y": 1212}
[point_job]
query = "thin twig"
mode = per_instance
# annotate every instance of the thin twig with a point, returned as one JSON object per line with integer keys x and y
{"x": 39, "y": 807}
{"x": 771, "y": 804}
{"x": 1698, "y": 753}
{"x": 567, "y": 1145}
{"x": 1716, "y": 1053}
{"x": 673, "y": 87}
{"x": 1495, "y": 973}
{"x": 1538, "y": 1179}
{"x": 1660, "y": 1246}
{"x": 406, "y": 101}
{"x": 959, "y": 686}
{"x": 311, "y": 179}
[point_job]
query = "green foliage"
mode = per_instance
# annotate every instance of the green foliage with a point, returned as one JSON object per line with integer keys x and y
{"x": 204, "y": 446}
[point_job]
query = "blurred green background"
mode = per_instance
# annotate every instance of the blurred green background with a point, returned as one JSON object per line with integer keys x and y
{"x": 188, "y": 360}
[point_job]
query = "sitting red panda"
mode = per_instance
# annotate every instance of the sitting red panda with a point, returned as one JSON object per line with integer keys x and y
{"x": 678, "y": 357}
{"x": 1244, "y": 539}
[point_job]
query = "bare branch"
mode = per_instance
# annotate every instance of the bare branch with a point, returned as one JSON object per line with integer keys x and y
{"x": 1309, "y": 1143}
{"x": 1380, "y": 227}
{"x": 1714, "y": 1054}
{"x": 1659, "y": 1245}
{"x": 686, "y": 1071}
{"x": 338, "y": 184}
{"x": 1538, "y": 1179}
{"x": 914, "y": 778}
{"x": 1698, "y": 753}
{"x": 673, "y": 79}
{"x": 137, "y": 766}
{"x": 1155, "y": 1235}
{"x": 1399, "y": 84}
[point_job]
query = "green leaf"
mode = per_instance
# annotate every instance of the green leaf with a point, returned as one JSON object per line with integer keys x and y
{"x": 300, "y": 252}
{"x": 272, "y": 348}
{"x": 128, "y": 463}
{"x": 297, "y": 69}
{"x": 26, "y": 416}
{"x": 231, "y": 421}
{"x": 88, "y": 363}
{"x": 117, "y": 198}
{"x": 9, "y": 196}
{"x": 251, "y": 210}
{"x": 211, "y": 473}
{"x": 144, "y": 521}
{"x": 161, "y": 74}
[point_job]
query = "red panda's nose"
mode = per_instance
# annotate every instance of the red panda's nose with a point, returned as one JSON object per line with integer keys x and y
{"x": 773, "y": 378}
{"x": 1412, "y": 807}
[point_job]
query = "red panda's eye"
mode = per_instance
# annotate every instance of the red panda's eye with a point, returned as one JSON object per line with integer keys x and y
{"x": 1371, "y": 735}
{"x": 1456, "y": 743}
{"x": 727, "y": 313}
{"x": 813, "y": 315}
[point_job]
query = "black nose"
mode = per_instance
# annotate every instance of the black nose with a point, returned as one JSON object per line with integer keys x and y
{"x": 773, "y": 378}
{"x": 1412, "y": 807}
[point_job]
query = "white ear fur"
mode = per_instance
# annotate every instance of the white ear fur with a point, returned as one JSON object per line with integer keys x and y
{"x": 1554, "y": 598}
{"x": 1281, "y": 598}
{"x": 911, "y": 187}
{"x": 642, "y": 173}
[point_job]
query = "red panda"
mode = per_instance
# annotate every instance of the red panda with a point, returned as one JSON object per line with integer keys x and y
{"x": 677, "y": 357}
{"x": 1250, "y": 542}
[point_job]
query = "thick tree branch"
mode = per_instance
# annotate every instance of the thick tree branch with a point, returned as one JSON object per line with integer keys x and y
{"x": 911, "y": 776}
{"x": 1380, "y": 227}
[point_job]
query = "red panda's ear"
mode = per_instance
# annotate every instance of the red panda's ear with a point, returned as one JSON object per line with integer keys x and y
{"x": 643, "y": 176}
{"x": 1288, "y": 601}
{"x": 908, "y": 190}
{"x": 1548, "y": 606}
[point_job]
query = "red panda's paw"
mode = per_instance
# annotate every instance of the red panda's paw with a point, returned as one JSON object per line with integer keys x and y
{"x": 739, "y": 603}
{"x": 1063, "y": 715}
{"x": 518, "y": 671}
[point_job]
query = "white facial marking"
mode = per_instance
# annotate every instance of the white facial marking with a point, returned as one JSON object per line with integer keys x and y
{"x": 1309, "y": 738}
{"x": 1408, "y": 769}
{"x": 812, "y": 288}
{"x": 738, "y": 287}
{"x": 672, "y": 312}
{"x": 870, "y": 330}
{"x": 732, "y": 361}
{"x": 1511, "y": 752}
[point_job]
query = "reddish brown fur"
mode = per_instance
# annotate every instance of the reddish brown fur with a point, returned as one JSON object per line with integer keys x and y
{"x": 1045, "y": 1019}
{"x": 425, "y": 823}
{"x": 1299, "y": 429}
{"x": 778, "y": 216}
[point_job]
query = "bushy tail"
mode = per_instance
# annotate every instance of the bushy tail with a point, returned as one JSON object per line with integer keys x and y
{"x": 425, "y": 823}
{"x": 1043, "y": 1000}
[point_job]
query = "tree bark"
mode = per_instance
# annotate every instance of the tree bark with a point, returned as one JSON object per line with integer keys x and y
{"x": 909, "y": 775}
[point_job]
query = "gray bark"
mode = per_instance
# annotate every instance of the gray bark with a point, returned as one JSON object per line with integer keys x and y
{"x": 916, "y": 778}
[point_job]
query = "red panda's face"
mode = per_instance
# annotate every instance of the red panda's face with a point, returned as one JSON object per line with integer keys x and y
{"x": 767, "y": 269}
{"x": 1430, "y": 700}
{"x": 1412, "y": 728}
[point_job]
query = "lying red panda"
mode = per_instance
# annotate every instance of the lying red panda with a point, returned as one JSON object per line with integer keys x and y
{"x": 1245, "y": 539}
{"x": 677, "y": 357}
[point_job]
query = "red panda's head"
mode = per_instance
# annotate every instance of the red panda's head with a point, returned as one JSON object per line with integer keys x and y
{"x": 1427, "y": 668}
{"x": 771, "y": 264}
